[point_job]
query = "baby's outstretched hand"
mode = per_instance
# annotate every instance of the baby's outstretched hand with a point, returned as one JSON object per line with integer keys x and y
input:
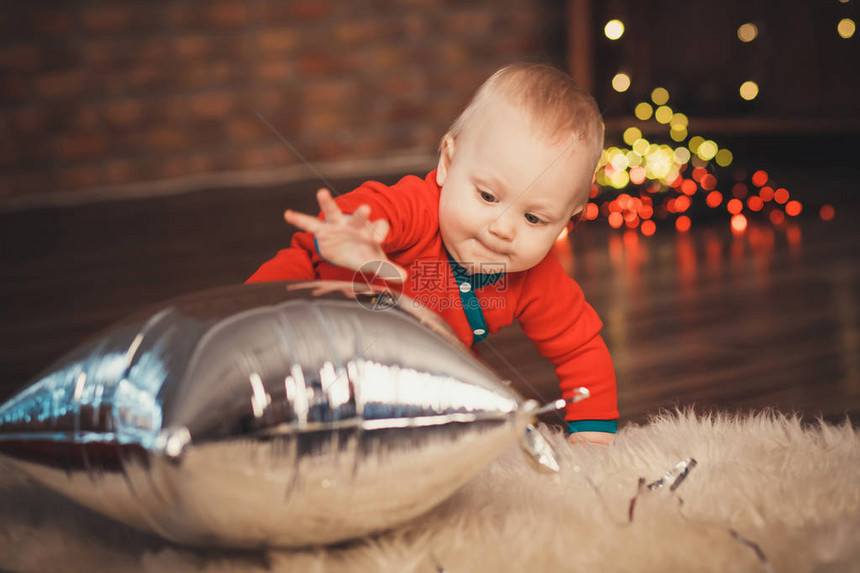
{"x": 349, "y": 241}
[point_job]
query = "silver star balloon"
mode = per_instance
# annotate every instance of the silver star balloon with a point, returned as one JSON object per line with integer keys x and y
{"x": 277, "y": 414}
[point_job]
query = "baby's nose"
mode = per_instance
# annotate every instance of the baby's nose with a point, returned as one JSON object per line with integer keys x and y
{"x": 503, "y": 227}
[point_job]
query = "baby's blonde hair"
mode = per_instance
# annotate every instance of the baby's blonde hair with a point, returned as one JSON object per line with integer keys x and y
{"x": 556, "y": 105}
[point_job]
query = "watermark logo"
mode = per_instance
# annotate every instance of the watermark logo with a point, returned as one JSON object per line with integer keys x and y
{"x": 377, "y": 273}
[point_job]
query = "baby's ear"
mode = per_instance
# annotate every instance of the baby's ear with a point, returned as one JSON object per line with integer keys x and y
{"x": 574, "y": 221}
{"x": 446, "y": 156}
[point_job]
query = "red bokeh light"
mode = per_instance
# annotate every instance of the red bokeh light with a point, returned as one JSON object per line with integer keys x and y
{"x": 699, "y": 172}
{"x": 648, "y": 228}
{"x": 591, "y": 212}
{"x": 615, "y": 220}
{"x": 766, "y": 193}
{"x": 759, "y": 178}
{"x": 827, "y": 212}
{"x": 734, "y": 206}
{"x": 682, "y": 203}
{"x": 793, "y": 208}
{"x": 739, "y": 223}
{"x": 682, "y": 223}
{"x": 714, "y": 199}
{"x": 709, "y": 182}
{"x": 637, "y": 175}
{"x": 755, "y": 203}
{"x": 777, "y": 217}
{"x": 740, "y": 190}
{"x": 780, "y": 196}
{"x": 688, "y": 187}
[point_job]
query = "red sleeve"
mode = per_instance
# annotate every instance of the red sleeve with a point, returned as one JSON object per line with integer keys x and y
{"x": 410, "y": 206}
{"x": 553, "y": 313}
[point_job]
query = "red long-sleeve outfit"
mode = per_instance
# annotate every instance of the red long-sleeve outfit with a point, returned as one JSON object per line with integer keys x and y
{"x": 548, "y": 304}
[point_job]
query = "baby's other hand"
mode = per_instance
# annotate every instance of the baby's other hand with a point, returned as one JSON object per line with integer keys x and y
{"x": 602, "y": 439}
{"x": 349, "y": 241}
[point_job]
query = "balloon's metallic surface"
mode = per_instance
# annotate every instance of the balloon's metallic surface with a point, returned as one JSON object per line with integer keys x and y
{"x": 275, "y": 414}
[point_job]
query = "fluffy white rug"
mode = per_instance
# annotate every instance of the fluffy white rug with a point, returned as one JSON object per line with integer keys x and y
{"x": 767, "y": 493}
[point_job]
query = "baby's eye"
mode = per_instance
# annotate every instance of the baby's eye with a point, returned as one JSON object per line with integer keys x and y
{"x": 488, "y": 197}
{"x": 534, "y": 220}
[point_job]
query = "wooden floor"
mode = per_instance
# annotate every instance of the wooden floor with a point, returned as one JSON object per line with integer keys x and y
{"x": 764, "y": 319}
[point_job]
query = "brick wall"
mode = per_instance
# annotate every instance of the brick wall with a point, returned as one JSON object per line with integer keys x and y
{"x": 100, "y": 94}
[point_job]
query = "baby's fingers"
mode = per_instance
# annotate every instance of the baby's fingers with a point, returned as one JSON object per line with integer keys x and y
{"x": 329, "y": 208}
{"x": 302, "y": 221}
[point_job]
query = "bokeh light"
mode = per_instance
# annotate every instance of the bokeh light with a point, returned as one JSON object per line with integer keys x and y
{"x": 846, "y": 28}
{"x": 747, "y": 32}
{"x": 707, "y": 150}
{"x": 724, "y": 158}
{"x": 793, "y": 208}
{"x": 777, "y": 217}
{"x": 739, "y": 223}
{"x": 827, "y": 212}
{"x": 663, "y": 114}
{"x": 766, "y": 193}
{"x": 643, "y": 111}
{"x": 749, "y": 90}
{"x": 755, "y": 203}
{"x": 781, "y": 196}
{"x": 631, "y": 134}
{"x": 614, "y": 29}
{"x": 714, "y": 199}
{"x": 616, "y": 220}
{"x": 695, "y": 142}
{"x": 621, "y": 82}
{"x": 734, "y": 206}
{"x": 648, "y": 228}
{"x": 759, "y": 178}
{"x": 660, "y": 96}
{"x": 591, "y": 212}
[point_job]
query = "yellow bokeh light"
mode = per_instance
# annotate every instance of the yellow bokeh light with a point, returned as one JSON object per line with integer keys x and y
{"x": 633, "y": 158}
{"x": 658, "y": 164}
{"x": 643, "y": 111}
{"x": 679, "y": 121}
{"x": 631, "y": 134}
{"x": 678, "y": 135}
{"x": 707, "y": 150}
{"x": 614, "y": 29}
{"x": 619, "y": 180}
{"x": 640, "y": 146}
{"x": 747, "y": 32}
{"x": 846, "y": 28}
{"x": 660, "y": 96}
{"x": 621, "y": 82}
{"x": 663, "y": 114}
{"x": 695, "y": 142}
{"x": 724, "y": 157}
{"x": 681, "y": 155}
{"x": 619, "y": 162}
{"x": 749, "y": 90}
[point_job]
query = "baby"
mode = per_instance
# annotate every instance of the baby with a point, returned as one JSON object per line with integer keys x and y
{"x": 472, "y": 239}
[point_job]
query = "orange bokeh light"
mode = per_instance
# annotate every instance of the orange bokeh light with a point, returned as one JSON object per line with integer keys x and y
{"x": 709, "y": 182}
{"x": 648, "y": 228}
{"x": 594, "y": 191}
{"x": 766, "y": 193}
{"x": 688, "y": 187}
{"x": 740, "y": 190}
{"x": 637, "y": 175}
{"x": 755, "y": 203}
{"x": 780, "y": 195}
{"x": 793, "y": 208}
{"x": 734, "y": 206}
{"x": 777, "y": 217}
{"x": 632, "y": 222}
{"x": 682, "y": 203}
{"x": 699, "y": 172}
{"x": 646, "y": 212}
{"x": 759, "y": 178}
{"x": 827, "y": 212}
{"x": 714, "y": 199}
{"x": 591, "y": 212}
{"x": 615, "y": 220}
{"x": 682, "y": 223}
{"x": 739, "y": 223}
{"x": 615, "y": 207}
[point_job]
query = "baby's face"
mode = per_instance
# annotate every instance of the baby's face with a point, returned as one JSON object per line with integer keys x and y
{"x": 506, "y": 191}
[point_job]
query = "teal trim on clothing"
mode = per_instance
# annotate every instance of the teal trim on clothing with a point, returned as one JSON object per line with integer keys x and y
{"x": 325, "y": 260}
{"x": 471, "y": 304}
{"x": 608, "y": 426}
